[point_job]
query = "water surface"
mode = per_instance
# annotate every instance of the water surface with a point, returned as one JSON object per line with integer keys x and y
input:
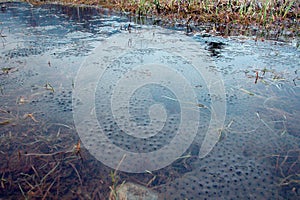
{"x": 42, "y": 49}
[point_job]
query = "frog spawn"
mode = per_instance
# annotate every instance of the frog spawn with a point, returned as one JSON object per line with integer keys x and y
{"x": 241, "y": 165}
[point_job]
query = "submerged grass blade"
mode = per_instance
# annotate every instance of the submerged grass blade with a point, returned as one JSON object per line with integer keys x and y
{"x": 5, "y": 122}
{"x": 247, "y": 92}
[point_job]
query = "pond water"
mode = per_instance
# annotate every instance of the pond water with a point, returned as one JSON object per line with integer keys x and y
{"x": 85, "y": 92}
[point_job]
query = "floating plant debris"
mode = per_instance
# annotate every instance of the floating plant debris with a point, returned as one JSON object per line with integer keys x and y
{"x": 48, "y": 86}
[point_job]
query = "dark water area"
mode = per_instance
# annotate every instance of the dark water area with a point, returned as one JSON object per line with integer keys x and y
{"x": 43, "y": 53}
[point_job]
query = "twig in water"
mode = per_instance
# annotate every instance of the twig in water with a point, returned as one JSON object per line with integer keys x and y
{"x": 30, "y": 115}
{"x": 257, "y": 114}
{"x": 247, "y": 92}
{"x": 152, "y": 179}
{"x": 22, "y": 192}
{"x": 48, "y": 86}
{"x": 48, "y": 190}
{"x": 77, "y": 173}
{"x": 256, "y": 78}
{"x": 50, "y": 172}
